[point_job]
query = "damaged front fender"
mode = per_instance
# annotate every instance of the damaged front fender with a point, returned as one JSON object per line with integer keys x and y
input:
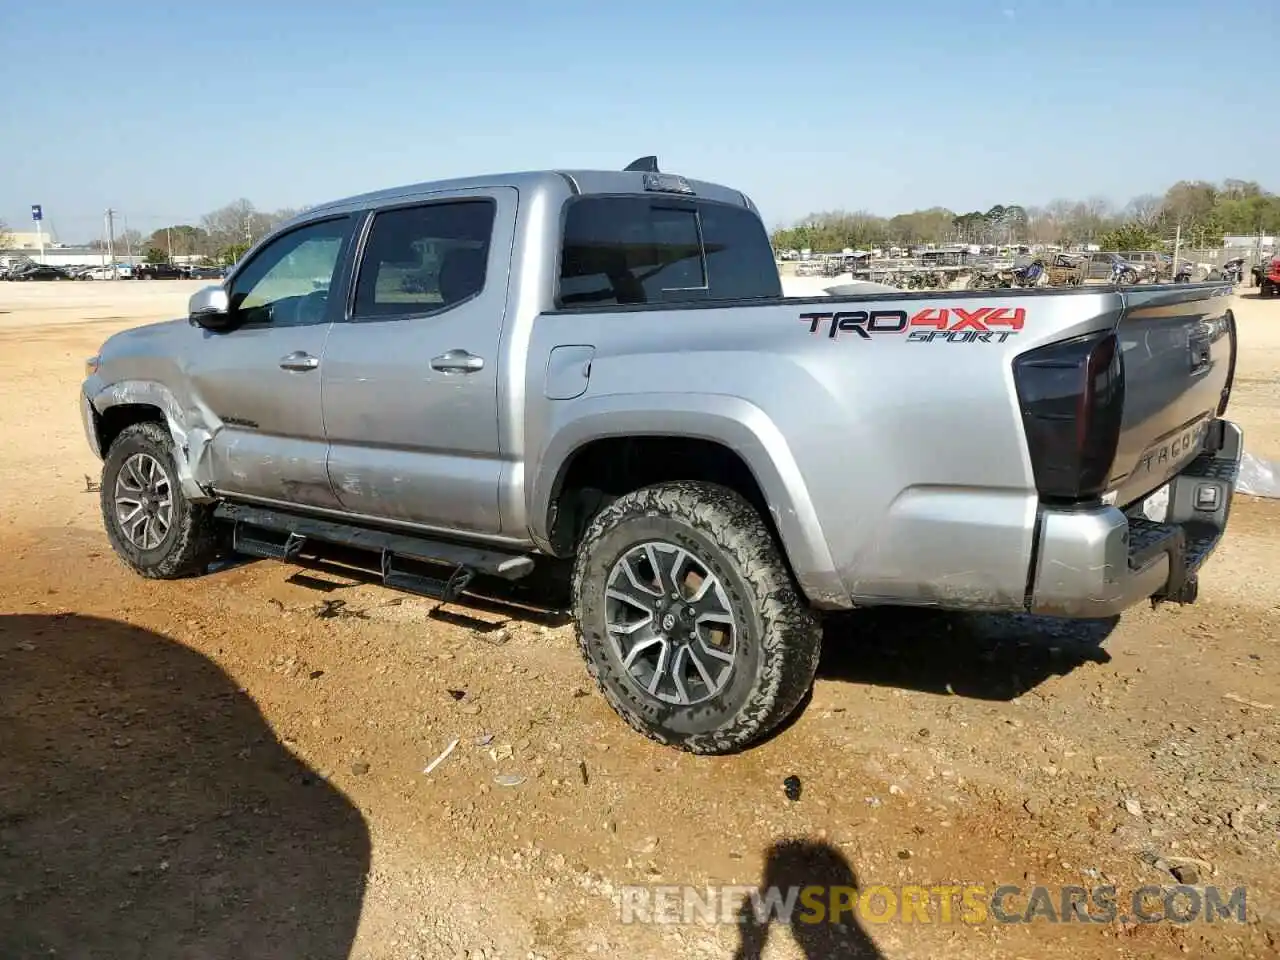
{"x": 191, "y": 429}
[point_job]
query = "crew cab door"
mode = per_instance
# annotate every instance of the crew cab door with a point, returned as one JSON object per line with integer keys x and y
{"x": 410, "y": 374}
{"x": 261, "y": 377}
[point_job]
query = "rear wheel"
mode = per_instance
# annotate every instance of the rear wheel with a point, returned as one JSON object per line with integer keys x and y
{"x": 688, "y": 619}
{"x": 152, "y": 527}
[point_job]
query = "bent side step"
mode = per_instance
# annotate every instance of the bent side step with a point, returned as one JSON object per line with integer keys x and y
{"x": 253, "y": 526}
{"x": 245, "y": 540}
{"x": 399, "y": 578}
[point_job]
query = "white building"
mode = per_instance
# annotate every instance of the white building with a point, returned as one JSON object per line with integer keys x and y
{"x": 1249, "y": 240}
{"x": 60, "y": 256}
{"x": 26, "y": 240}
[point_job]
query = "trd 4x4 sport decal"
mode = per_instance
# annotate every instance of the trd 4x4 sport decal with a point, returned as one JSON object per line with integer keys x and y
{"x": 946, "y": 324}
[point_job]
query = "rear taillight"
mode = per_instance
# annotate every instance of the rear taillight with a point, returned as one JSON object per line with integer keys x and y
{"x": 1230, "y": 320}
{"x": 1072, "y": 398}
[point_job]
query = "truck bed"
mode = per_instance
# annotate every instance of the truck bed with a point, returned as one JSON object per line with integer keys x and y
{"x": 891, "y": 455}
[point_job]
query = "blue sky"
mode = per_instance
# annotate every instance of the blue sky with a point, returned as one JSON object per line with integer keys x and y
{"x": 167, "y": 112}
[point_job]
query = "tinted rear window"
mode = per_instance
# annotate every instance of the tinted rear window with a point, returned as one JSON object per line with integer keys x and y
{"x": 629, "y": 250}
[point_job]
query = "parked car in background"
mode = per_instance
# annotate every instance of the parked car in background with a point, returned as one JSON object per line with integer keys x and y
{"x": 115, "y": 271}
{"x": 1116, "y": 267}
{"x": 206, "y": 273}
{"x": 38, "y": 271}
{"x": 158, "y": 271}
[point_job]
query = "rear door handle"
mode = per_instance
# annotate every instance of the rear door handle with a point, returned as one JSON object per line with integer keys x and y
{"x": 457, "y": 361}
{"x": 299, "y": 360}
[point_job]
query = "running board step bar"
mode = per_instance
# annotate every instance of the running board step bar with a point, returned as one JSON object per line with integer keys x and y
{"x": 402, "y": 579}
{"x": 253, "y": 529}
{"x": 247, "y": 540}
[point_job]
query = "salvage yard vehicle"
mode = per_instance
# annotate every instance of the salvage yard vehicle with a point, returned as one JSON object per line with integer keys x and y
{"x": 1269, "y": 277}
{"x": 599, "y": 368}
{"x": 1068, "y": 269}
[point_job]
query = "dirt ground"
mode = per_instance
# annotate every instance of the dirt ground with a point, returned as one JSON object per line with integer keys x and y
{"x": 232, "y": 766}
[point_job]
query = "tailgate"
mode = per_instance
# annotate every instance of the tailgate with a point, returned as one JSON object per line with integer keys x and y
{"x": 1178, "y": 346}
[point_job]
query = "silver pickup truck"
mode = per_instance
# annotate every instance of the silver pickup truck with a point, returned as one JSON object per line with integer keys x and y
{"x": 473, "y": 377}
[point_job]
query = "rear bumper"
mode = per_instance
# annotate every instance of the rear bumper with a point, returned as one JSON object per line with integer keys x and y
{"x": 1099, "y": 561}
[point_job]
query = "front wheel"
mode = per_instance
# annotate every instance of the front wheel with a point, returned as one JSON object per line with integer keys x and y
{"x": 688, "y": 619}
{"x": 152, "y": 527}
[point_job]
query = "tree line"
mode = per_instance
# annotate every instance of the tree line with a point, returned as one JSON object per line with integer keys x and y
{"x": 221, "y": 237}
{"x": 1205, "y": 213}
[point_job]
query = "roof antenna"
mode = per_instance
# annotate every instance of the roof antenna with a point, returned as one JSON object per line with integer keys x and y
{"x": 643, "y": 165}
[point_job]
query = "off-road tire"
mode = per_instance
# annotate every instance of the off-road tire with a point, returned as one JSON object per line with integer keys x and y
{"x": 780, "y": 637}
{"x": 190, "y": 544}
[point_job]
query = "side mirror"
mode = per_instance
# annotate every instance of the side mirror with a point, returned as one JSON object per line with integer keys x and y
{"x": 210, "y": 308}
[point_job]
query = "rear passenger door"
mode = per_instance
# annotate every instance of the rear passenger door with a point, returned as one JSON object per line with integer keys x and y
{"x": 410, "y": 380}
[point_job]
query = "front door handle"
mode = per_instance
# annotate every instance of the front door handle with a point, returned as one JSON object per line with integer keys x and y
{"x": 299, "y": 360}
{"x": 457, "y": 361}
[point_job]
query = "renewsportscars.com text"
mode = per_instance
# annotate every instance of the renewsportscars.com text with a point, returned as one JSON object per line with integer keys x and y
{"x": 944, "y": 903}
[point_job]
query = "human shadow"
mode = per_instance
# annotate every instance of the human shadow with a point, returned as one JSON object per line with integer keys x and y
{"x": 792, "y": 865}
{"x": 148, "y": 810}
{"x": 980, "y": 656}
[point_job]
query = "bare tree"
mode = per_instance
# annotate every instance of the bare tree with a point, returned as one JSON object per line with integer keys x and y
{"x": 1041, "y": 227}
{"x": 6, "y": 237}
{"x": 232, "y": 225}
{"x": 1144, "y": 209}
{"x": 239, "y": 224}
{"x": 129, "y": 243}
{"x": 1190, "y": 201}
{"x": 1087, "y": 219}
{"x": 1234, "y": 189}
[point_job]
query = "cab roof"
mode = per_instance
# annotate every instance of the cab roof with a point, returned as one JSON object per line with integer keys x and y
{"x": 536, "y": 182}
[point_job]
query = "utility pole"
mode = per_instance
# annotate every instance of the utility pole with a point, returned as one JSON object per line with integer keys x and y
{"x": 169, "y": 239}
{"x": 111, "y": 242}
{"x": 1177, "y": 244}
{"x": 128, "y": 245}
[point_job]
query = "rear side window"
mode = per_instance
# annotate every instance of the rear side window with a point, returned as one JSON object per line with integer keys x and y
{"x": 739, "y": 255}
{"x": 424, "y": 259}
{"x": 637, "y": 250}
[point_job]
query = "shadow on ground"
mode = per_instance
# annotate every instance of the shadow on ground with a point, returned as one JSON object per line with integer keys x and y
{"x": 541, "y": 598}
{"x": 147, "y": 809}
{"x": 981, "y": 656}
{"x": 790, "y": 866}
